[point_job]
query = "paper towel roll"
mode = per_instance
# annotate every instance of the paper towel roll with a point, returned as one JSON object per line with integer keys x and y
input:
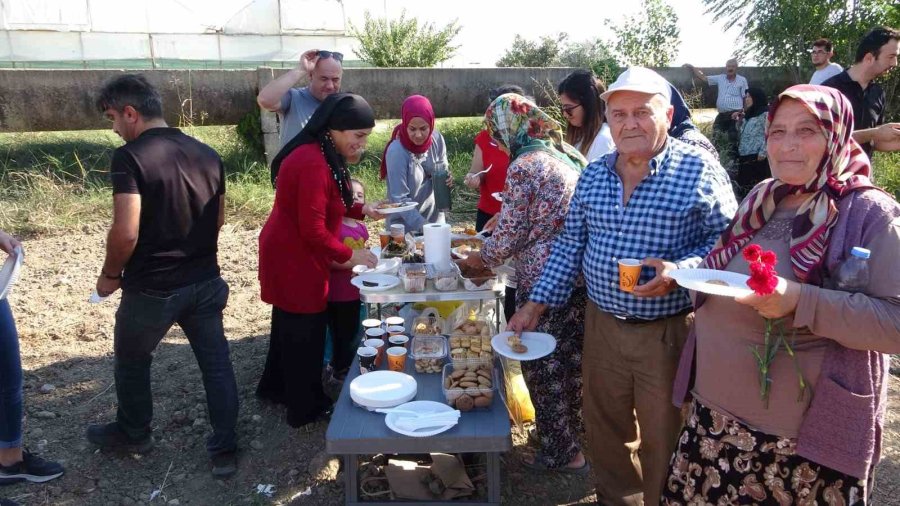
{"x": 437, "y": 244}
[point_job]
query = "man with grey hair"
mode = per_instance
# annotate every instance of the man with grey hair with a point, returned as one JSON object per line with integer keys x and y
{"x": 323, "y": 69}
{"x": 731, "y": 88}
{"x": 662, "y": 203}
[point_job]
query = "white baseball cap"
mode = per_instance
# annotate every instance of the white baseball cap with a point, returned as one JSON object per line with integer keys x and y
{"x": 640, "y": 79}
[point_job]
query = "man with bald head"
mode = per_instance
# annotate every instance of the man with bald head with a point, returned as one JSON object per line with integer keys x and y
{"x": 731, "y": 90}
{"x": 664, "y": 203}
{"x": 323, "y": 69}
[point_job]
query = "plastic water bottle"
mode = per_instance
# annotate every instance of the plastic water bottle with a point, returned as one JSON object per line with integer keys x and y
{"x": 853, "y": 274}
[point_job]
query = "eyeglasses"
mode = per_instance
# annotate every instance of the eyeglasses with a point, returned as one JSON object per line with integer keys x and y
{"x": 818, "y": 51}
{"x": 567, "y": 109}
{"x": 330, "y": 54}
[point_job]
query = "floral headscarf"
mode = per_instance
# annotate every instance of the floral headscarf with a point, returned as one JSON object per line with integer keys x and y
{"x": 520, "y": 126}
{"x": 844, "y": 168}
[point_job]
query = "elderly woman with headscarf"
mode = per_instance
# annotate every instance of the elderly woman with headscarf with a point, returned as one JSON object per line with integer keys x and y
{"x": 752, "y": 166}
{"x": 540, "y": 182}
{"x": 683, "y": 129}
{"x": 298, "y": 244}
{"x": 415, "y": 154}
{"x": 814, "y": 441}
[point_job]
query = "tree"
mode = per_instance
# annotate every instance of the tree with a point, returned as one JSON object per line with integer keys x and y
{"x": 649, "y": 38}
{"x": 779, "y": 32}
{"x": 592, "y": 54}
{"x": 528, "y": 53}
{"x": 404, "y": 42}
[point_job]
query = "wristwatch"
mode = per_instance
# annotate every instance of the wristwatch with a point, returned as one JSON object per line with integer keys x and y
{"x": 107, "y": 276}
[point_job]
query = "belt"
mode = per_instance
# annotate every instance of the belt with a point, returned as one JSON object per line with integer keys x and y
{"x": 633, "y": 320}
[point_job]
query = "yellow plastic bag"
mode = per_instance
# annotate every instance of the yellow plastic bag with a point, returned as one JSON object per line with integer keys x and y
{"x": 518, "y": 400}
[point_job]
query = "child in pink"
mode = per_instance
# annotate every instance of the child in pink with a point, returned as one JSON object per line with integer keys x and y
{"x": 343, "y": 297}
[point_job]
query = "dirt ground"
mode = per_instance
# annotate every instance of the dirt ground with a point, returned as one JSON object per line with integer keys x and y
{"x": 67, "y": 343}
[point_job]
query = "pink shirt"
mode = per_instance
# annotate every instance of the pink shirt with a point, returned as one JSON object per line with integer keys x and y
{"x": 340, "y": 289}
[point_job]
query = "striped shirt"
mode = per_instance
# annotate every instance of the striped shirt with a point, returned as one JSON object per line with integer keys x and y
{"x": 676, "y": 213}
{"x": 731, "y": 93}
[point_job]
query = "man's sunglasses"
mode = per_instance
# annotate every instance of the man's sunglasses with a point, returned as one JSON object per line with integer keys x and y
{"x": 330, "y": 54}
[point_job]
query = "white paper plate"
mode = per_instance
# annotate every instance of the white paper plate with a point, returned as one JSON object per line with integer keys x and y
{"x": 383, "y": 389}
{"x": 697, "y": 280}
{"x": 9, "y": 273}
{"x": 498, "y": 196}
{"x": 385, "y": 282}
{"x": 539, "y": 345}
{"x": 385, "y": 266}
{"x": 460, "y": 254}
{"x": 423, "y": 407}
{"x": 400, "y": 209}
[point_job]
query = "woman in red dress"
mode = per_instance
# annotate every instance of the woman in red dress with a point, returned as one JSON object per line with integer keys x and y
{"x": 299, "y": 242}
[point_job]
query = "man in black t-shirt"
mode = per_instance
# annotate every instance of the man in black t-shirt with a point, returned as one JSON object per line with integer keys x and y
{"x": 876, "y": 55}
{"x": 168, "y": 207}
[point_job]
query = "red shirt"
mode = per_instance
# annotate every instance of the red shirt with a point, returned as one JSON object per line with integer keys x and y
{"x": 497, "y": 159}
{"x": 302, "y": 235}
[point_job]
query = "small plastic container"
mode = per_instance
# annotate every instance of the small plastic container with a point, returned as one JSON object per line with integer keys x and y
{"x": 474, "y": 284}
{"x": 427, "y": 324}
{"x": 447, "y": 279}
{"x": 471, "y": 340}
{"x": 469, "y": 385}
{"x": 413, "y": 277}
{"x": 428, "y": 352}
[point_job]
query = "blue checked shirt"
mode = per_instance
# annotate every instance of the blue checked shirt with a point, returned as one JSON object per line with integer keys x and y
{"x": 676, "y": 213}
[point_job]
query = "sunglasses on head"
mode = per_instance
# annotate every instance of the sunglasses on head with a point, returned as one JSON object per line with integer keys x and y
{"x": 330, "y": 54}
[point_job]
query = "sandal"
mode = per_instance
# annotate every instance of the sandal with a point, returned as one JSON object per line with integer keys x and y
{"x": 538, "y": 465}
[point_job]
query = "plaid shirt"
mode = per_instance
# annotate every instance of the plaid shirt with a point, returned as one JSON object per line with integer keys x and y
{"x": 676, "y": 213}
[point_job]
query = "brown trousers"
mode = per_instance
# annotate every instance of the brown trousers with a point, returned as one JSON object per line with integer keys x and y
{"x": 631, "y": 425}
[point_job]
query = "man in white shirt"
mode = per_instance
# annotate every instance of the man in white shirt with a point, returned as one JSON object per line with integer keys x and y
{"x": 821, "y": 54}
{"x": 731, "y": 90}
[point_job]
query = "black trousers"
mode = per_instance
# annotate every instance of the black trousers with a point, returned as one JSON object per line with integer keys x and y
{"x": 481, "y": 218}
{"x": 293, "y": 372}
{"x": 725, "y": 124}
{"x": 343, "y": 319}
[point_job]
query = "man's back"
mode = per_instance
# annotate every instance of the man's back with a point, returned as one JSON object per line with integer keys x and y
{"x": 180, "y": 181}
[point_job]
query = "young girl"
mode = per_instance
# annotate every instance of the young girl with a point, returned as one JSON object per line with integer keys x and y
{"x": 343, "y": 297}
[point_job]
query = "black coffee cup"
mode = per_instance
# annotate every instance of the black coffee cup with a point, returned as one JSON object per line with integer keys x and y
{"x": 367, "y": 355}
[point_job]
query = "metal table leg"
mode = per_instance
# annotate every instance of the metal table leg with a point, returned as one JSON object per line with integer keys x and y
{"x": 351, "y": 482}
{"x": 493, "y": 472}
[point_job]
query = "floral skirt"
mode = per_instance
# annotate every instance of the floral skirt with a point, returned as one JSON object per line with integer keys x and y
{"x": 722, "y": 461}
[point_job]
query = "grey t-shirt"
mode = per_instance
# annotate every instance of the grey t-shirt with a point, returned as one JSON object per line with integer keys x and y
{"x": 297, "y": 106}
{"x": 409, "y": 178}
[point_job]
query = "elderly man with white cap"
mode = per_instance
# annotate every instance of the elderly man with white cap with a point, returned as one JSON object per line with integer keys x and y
{"x": 663, "y": 203}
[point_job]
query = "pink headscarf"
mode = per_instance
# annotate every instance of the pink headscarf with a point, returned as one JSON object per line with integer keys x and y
{"x": 415, "y": 106}
{"x": 844, "y": 168}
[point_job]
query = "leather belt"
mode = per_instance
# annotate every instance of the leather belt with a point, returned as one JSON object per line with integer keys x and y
{"x": 633, "y": 320}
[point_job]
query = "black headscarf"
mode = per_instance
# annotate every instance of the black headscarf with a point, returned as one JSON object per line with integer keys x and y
{"x": 760, "y": 103}
{"x": 681, "y": 118}
{"x": 341, "y": 111}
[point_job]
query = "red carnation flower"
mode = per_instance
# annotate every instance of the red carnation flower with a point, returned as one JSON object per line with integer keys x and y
{"x": 769, "y": 258}
{"x": 752, "y": 252}
{"x": 763, "y": 279}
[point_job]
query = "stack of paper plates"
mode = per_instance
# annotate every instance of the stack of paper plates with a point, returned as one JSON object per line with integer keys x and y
{"x": 383, "y": 389}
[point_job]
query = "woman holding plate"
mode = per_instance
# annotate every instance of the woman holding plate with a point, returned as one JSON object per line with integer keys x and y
{"x": 298, "y": 244}
{"x": 411, "y": 161}
{"x": 540, "y": 182}
{"x": 813, "y": 434}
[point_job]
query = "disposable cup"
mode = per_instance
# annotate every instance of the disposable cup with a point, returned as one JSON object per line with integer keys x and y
{"x": 371, "y": 323}
{"x": 629, "y": 273}
{"x": 395, "y": 330}
{"x": 396, "y": 358}
{"x": 367, "y": 356}
{"x": 398, "y": 340}
{"x": 378, "y": 344}
{"x": 394, "y": 321}
{"x": 377, "y": 333}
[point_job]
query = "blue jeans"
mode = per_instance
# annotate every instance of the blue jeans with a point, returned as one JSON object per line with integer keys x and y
{"x": 10, "y": 381}
{"x": 143, "y": 318}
